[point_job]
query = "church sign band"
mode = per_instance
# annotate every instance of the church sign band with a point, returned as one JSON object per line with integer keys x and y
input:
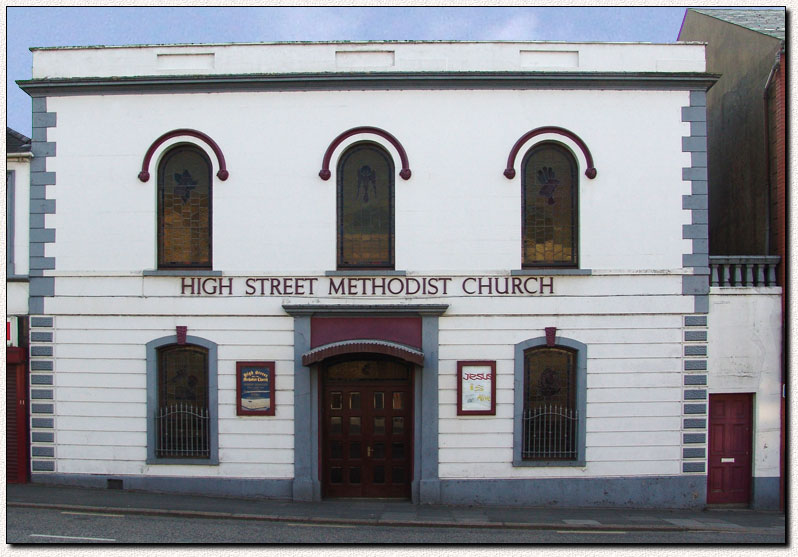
{"x": 368, "y": 286}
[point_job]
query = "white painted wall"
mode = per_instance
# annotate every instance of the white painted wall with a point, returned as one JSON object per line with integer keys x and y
{"x": 634, "y": 372}
{"x": 20, "y": 166}
{"x": 745, "y": 357}
{"x": 365, "y": 56}
{"x": 456, "y": 213}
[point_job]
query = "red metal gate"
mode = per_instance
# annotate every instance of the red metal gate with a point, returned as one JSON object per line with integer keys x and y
{"x": 730, "y": 427}
{"x": 17, "y": 445}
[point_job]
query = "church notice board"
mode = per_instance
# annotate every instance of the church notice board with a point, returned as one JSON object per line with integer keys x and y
{"x": 255, "y": 388}
{"x": 476, "y": 388}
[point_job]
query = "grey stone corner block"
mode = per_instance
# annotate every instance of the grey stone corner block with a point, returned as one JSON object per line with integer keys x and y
{"x": 695, "y": 201}
{"x": 701, "y": 216}
{"x": 701, "y": 304}
{"x": 701, "y": 245}
{"x": 694, "y": 114}
{"x": 39, "y": 104}
{"x": 693, "y": 467}
{"x": 42, "y": 178}
{"x": 44, "y": 119}
{"x": 695, "y": 320}
{"x": 695, "y": 260}
{"x": 695, "y": 350}
{"x": 698, "y": 98}
{"x": 693, "y": 365}
{"x": 693, "y": 438}
{"x": 695, "y": 379}
{"x": 698, "y": 173}
{"x": 698, "y": 159}
{"x": 43, "y": 466}
{"x": 693, "y": 231}
{"x": 695, "y": 394}
{"x": 698, "y": 128}
{"x": 41, "y": 322}
{"x": 695, "y": 285}
{"x": 693, "y": 452}
{"x": 43, "y": 148}
{"x": 697, "y": 144}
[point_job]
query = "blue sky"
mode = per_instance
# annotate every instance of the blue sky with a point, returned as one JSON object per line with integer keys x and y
{"x": 75, "y": 26}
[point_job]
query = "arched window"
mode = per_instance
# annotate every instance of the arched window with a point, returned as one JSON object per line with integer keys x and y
{"x": 550, "y": 415}
{"x": 184, "y": 209}
{"x": 365, "y": 208}
{"x": 550, "y": 402}
{"x": 550, "y": 207}
{"x": 182, "y": 415}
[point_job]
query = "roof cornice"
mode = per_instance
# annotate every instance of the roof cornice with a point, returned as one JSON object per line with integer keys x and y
{"x": 381, "y": 80}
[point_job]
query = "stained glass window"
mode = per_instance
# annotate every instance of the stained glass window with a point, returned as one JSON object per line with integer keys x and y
{"x": 550, "y": 416}
{"x": 182, "y": 419}
{"x": 183, "y": 375}
{"x": 365, "y": 208}
{"x": 184, "y": 209}
{"x": 550, "y": 191}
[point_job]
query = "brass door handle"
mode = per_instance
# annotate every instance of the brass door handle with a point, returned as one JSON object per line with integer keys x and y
{"x": 369, "y": 451}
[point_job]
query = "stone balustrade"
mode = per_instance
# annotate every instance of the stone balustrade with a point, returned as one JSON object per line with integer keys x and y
{"x": 743, "y": 270}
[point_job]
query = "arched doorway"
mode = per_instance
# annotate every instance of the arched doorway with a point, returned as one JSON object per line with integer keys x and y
{"x": 366, "y": 426}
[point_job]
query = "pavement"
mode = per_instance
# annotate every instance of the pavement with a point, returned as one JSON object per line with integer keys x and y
{"x": 389, "y": 512}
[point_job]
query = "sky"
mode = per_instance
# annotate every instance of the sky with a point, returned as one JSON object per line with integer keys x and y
{"x": 78, "y": 26}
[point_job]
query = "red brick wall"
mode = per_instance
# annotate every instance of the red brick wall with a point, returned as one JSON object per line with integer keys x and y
{"x": 777, "y": 152}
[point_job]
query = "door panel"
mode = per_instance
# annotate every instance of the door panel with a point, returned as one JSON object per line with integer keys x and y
{"x": 730, "y": 428}
{"x": 17, "y": 445}
{"x": 366, "y": 438}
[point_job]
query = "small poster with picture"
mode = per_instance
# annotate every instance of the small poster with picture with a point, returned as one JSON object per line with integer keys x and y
{"x": 476, "y": 388}
{"x": 255, "y": 388}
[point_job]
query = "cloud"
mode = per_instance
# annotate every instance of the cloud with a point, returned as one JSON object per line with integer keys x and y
{"x": 514, "y": 26}
{"x": 309, "y": 24}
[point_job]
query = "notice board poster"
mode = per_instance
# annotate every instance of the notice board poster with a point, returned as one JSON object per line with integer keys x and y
{"x": 255, "y": 388}
{"x": 476, "y": 388}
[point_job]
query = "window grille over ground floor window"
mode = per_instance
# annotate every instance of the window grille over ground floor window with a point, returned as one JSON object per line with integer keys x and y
{"x": 549, "y": 433}
{"x": 182, "y": 431}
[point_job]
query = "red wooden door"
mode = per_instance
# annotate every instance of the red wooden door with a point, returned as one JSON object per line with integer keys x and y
{"x": 366, "y": 430}
{"x": 17, "y": 446}
{"x": 730, "y": 426}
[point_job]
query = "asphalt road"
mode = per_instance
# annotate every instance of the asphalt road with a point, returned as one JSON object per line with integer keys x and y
{"x": 37, "y": 526}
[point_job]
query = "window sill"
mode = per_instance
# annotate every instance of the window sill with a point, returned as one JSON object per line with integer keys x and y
{"x": 552, "y": 271}
{"x": 549, "y": 463}
{"x": 187, "y": 461}
{"x": 365, "y": 273}
{"x": 17, "y": 278}
{"x": 180, "y": 273}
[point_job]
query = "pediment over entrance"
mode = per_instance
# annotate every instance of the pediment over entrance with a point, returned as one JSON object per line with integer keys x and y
{"x": 363, "y": 346}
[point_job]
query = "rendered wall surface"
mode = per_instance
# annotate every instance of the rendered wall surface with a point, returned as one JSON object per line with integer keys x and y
{"x": 745, "y": 357}
{"x": 274, "y": 142}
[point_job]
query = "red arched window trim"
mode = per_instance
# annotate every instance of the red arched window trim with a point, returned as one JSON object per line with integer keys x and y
{"x": 325, "y": 173}
{"x": 144, "y": 175}
{"x": 509, "y": 172}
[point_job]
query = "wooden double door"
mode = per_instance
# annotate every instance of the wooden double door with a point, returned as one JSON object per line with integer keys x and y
{"x": 367, "y": 433}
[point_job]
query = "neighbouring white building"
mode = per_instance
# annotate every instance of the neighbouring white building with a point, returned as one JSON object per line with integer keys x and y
{"x": 456, "y": 272}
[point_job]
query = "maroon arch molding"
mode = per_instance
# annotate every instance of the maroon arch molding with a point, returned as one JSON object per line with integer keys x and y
{"x": 366, "y": 346}
{"x": 509, "y": 172}
{"x": 144, "y": 175}
{"x": 325, "y": 173}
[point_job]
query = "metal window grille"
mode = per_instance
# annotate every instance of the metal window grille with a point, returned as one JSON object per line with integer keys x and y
{"x": 182, "y": 432}
{"x": 549, "y": 433}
